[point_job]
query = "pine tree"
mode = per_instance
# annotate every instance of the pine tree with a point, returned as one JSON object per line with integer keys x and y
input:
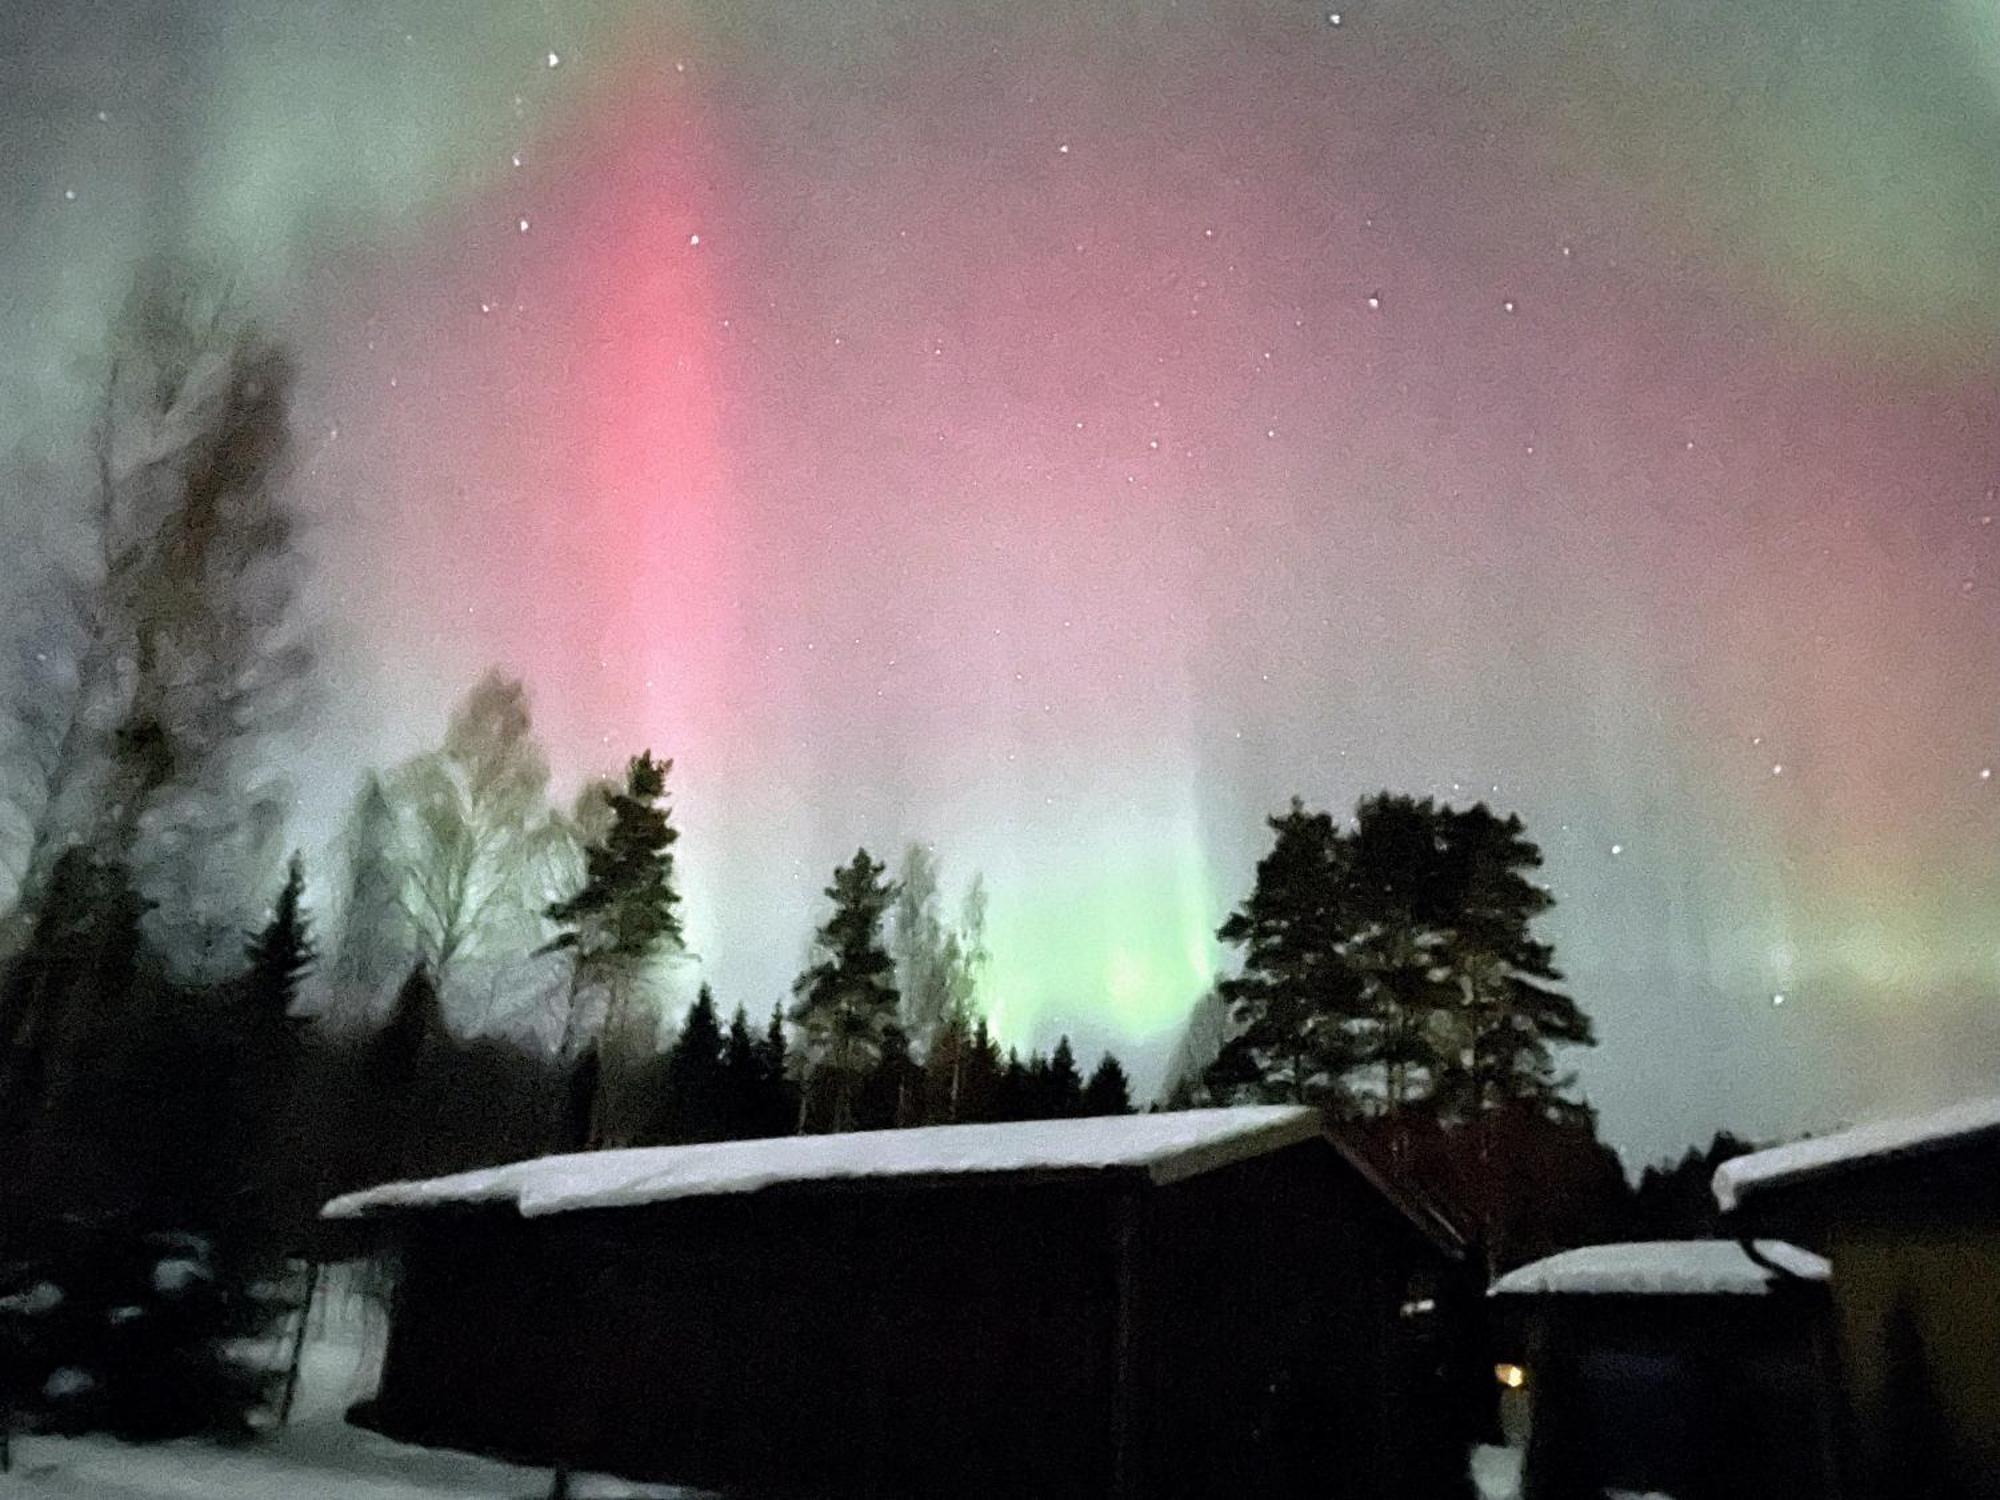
{"x": 1404, "y": 890}
{"x": 847, "y": 998}
{"x": 1108, "y": 1092}
{"x": 623, "y": 916}
{"x": 1296, "y": 1009}
{"x": 1497, "y": 1038}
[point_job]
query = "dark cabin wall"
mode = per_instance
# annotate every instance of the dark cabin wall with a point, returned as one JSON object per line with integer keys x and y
{"x": 1705, "y": 1398}
{"x": 1915, "y": 1248}
{"x": 954, "y": 1339}
{"x": 1276, "y": 1359}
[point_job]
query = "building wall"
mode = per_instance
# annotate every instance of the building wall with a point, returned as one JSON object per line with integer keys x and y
{"x": 956, "y": 1339}
{"x": 1920, "y": 1341}
{"x": 1279, "y": 1360}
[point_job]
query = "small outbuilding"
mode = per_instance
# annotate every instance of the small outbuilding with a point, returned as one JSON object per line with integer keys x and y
{"x": 1908, "y": 1212}
{"x": 1202, "y": 1303}
{"x": 1698, "y": 1369}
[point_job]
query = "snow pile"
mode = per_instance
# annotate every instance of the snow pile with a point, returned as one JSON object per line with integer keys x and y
{"x": 1496, "y": 1473}
{"x": 1662, "y": 1268}
{"x": 1168, "y": 1147}
{"x": 1887, "y": 1140}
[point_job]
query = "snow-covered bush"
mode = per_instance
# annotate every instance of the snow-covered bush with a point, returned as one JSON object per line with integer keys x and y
{"x": 142, "y": 1332}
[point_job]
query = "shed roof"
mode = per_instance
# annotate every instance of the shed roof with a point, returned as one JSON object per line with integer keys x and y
{"x": 1848, "y": 1150}
{"x": 1167, "y": 1147}
{"x": 1663, "y": 1268}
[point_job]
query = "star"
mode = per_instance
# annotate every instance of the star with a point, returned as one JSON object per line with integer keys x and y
{"x": 1374, "y": 301}
{"x": 1507, "y": 306}
{"x": 555, "y": 60}
{"x": 522, "y": 225}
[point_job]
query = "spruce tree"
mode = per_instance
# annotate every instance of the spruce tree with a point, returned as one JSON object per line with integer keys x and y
{"x": 777, "y": 1105}
{"x": 889, "y": 1098}
{"x": 1062, "y": 1097}
{"x": 847, "y": 998}
{"x": 694, "y": 1105}
{"x": 741, "y": 1077}
{"x": 979, "y": 1085}
{"x": 393, "y": 1075}
{"x": 1108, "y": 1092}
{"x": 281, "y": 955}
{"x": 1013, "y": 1089}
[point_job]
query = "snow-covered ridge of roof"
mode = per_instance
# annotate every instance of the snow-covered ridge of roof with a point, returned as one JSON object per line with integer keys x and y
{"x": 1886, "y": 1140}
{"x": 1168, "y": 1147}
{"x": 1662, "y": 1268}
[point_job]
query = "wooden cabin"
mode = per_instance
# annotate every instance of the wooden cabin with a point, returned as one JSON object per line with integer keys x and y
{"x": 1212, "y": 1302}
{"x": 1698, "y": 1369}
{"x": 1908, "y": 1212}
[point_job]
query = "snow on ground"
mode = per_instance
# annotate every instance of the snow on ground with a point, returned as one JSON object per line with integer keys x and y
{"x": 1169, "y": 1147}
{"x": 1496, "y": 1473}
{"x": 317, "y": 1457}
{"x": 1662, "y": 1268}
{"x": 1886, "y": 1140}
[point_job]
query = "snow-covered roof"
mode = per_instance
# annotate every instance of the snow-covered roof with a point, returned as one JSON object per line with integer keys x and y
{"x": 1662, "y": 1268}
{"x": 1886, "y": 1140}
{"x": 1167, "y": 1147}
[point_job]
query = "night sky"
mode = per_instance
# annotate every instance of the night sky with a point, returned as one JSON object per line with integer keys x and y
{"x": 1062, "y": 432}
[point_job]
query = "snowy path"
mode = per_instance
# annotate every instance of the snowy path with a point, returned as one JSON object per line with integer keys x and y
{"x": 317, "y": 1457}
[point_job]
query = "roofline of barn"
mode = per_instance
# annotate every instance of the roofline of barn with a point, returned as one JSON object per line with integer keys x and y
{"x": 350, "y": 1229}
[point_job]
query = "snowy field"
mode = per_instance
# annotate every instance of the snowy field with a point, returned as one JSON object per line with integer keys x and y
{"x": 317, "y": 1457}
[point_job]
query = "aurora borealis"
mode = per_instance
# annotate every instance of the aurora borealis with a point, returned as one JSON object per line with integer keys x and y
{"x": 1063, "y": 432}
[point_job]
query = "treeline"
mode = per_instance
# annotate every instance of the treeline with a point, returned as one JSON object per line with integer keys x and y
{"x": 190, "y": 1064}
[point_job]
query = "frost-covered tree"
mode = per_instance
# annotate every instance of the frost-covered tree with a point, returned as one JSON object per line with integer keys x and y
{"x": 846, "y": 999}
{"x": 474, "y": 828}
{"x": 376, "y": 943}
{"x": 1200, "y": 1043}
{"x": 918, "y": 942}
{"x": 185, "y": 655}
